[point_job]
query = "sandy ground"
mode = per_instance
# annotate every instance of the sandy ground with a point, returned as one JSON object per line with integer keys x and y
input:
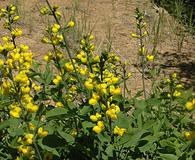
{"x": 118, "y": 17}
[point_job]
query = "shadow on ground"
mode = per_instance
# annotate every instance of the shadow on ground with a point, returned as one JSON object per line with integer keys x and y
{"x": 183, "y": 65}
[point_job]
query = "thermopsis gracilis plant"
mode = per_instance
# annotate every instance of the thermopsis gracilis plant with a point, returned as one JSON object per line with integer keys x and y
{"x": 73, "y": 107}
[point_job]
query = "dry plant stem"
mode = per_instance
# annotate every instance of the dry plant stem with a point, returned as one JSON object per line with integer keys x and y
{"x": 124, "y": 83}
{"x": 65, "y": 42}
{"x": 142, "y": 62}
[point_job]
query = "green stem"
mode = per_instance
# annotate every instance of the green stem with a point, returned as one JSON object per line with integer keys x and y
{"x": 37, "y": 150}
{"x": 65, "y": 42}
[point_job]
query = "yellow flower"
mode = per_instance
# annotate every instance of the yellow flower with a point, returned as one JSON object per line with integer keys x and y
{"x": 98, "y": 115}
{"x": 97, "y": 129}
{"x": 45, "y": 40}
{"x": 32, "y": 107}
{"x": 9, "y": 46}
{"x": 25, "y": 90}
{"x": 16, "y": 32}
{"x": 57, "y": 80}
{"x": 58, "y": 14}
{"x": 119, "y": 131}
{"x": 46, "y": 58}
{"x": 37, "y": 88}
{"x": 88, "y": 84}
{"x": 69, "y": 67}
{"x": 6, "y": 87}
{"x": 6, "y": 38}
{"x": 150, "y": 57}
{"x": 31, "y": 126}
{"x": 9, "y": 63}
{"x": 190, "y": 105}
{"x": 15, "y": 112}
{"x": 135, "y": 35}
{"x": 177, "y": 93}
{"x": 92, "y": 101}
{"x": 59, "y": 104}
{"x": 24, "y": 47}
{"x": 74, "y": 133}
{"x": 111, "y": 113}
{"x": 1, "y": 63}
{"x": 29, "y": 138}
{"x": 189, "y": 135}
{"x": 102, "y": 88}
{"x": 83, "y": 71}
{"x": 174, "y": 75}
{"x": 179, "y": 86}
{"x": 26, "y": 150}
{"x": 103, "y": 107}
{"x": 16, "y": 18}
{"x": 95, "y": 96}
{"x": 71, "y": 24}
{"x": 84, "y": 60}
{"x": 21, "y": 78}
{"x": 27, "y": 98}
{"x": 115, "y": 91}
{"x": 114, "y": 80}
{"x": 3, "y": 10}
{"x": 96, "y": 59}
{"x": 100, "y": 124}
{"x": 93, "y": 118}
{"x": 92, "y": 47}
{"x": 91, "y": 37}
{"x": 55, "y": 28}
{"x": 42, "y": 132}
{"x": 44, "y": 10}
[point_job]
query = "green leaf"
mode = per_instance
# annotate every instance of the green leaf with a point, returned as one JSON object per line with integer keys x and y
{"x": 9, "y": 122}
{"x": 47, "y": 76}
{"x": 123, "y": 121}
{"x": 103, "y": 137}
{"x": 148, "y": 147}
{"x": 153, "y": 101}
{"x": 85, "y": 110}
{"x": 87, "y": 125}
{"x": 109, "y": 150}
{"x": 56, "y": 112}
{"x": 48, "y": 148}
{"x": 66, "y": 136}
{"x": 15, "y": 131}
{"x": 168, "y": 157}
{"x": 139, "y": 121}
{"x": 51, "y": 143}
{"x": 131, "y": 140}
